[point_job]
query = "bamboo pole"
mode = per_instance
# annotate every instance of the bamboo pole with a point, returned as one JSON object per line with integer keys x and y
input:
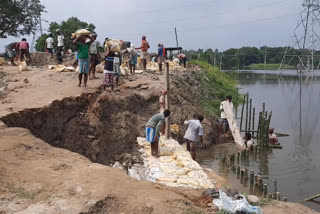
{"x": 241, "y": 119}
{"x": 275, "y": 189}
{"x": 253, "y": 117}
{"x": 247, "y": 109}
{"x": 265, "y": 190}
{"x": 250, "y": 111}
{"x": 251, "y": 176}
{"x": 312, "y": 197}
{"x": 167, "y": 102}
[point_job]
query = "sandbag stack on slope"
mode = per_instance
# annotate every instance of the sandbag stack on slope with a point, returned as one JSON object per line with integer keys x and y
{"x": 80, "y": 32}
{"x": 175, "y": 167}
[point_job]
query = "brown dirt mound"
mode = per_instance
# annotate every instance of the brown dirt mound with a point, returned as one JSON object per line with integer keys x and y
{"x": 44, "y": 59}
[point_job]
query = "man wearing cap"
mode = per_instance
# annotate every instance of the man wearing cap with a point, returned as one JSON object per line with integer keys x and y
{"x": 144, "y": 52}
{"x": 94, "y": 56}
{"x": 223, "y": 118}
{"x": 60, "y": 45}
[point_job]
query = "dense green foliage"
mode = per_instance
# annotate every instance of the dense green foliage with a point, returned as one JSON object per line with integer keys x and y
{"x": 67, "y": 27}
{"x": 216, "y": 85}
{"x": 19, "y": 17}
{"x": 241, "y": 58}
{"x": 267, "y": 67}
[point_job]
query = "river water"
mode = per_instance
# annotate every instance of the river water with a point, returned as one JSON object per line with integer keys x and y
{"x": 297, "y": 165}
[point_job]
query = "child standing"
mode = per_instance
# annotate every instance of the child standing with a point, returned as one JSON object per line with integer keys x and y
{"x": 108, "y": 72}
{"x": 83, "y": 43}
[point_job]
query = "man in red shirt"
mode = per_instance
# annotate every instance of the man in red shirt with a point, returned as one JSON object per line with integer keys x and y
{"x": 23, "y": 48}
{"x": 144, "y": 52}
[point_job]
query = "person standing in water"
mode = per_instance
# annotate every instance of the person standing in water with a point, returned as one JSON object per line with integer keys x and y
{"x": 223, "y": 119}
{"x": 194, "y": 135}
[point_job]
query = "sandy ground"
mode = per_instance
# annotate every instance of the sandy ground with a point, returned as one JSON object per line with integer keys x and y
{"x": 38, "y": 178}
{"x": 42, "y": 87}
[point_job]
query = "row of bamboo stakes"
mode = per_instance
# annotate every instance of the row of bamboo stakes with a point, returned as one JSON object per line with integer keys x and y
{"x": 255, "y": 180}
{"x": 261, "y": 134}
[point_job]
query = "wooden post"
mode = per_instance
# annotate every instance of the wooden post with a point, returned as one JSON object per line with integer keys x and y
{"x": 167, "y": 102}
{"x": 278, "y": 196}
{"x": 285, "y": 199}
{"x": 265, "y": 190}
{"x": 246, "y": 174}
{"x": 260, "y": 183}
{"x": 274, "y": 188}
{"x": 250, "y": 111}
{"x": 236, "y": 112}
{"x": 253, "y": 117}
{"x": 263, "y": 108}
{"x": 241, "y": 173}
{"x": 241, "y": 119}
{"x": 238, "y": 170}
{"x": 256, "y": 178}
{"x": 251, "y": 176}
{"x": 247, "y": 109}
{"x": 269, "y": 195}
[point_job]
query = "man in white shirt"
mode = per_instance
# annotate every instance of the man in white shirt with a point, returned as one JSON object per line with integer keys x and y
{"x": 194, "y": 134}
{"x": 49, "y": 44}
{"x": 60, "y": 45}
{"x": 223, "y": 118}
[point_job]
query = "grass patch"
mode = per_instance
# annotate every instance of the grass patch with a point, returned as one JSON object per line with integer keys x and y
{"x": 215, "y": 86}
{"x": 268, "y": 67}
{"x": 23, "y": 193}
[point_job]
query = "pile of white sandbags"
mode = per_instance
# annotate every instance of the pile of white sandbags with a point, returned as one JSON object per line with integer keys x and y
{"x": 175, "y": 167}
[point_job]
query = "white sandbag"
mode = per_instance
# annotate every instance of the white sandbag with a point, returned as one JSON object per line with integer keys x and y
{"x": 80, "y": 32}
{"x": 23, "y": 66}
{"x": 166, "y": 159}
{"x": 187, "y": 180}
{"x": 169, "y": 179}
{"x": 99, "y": 68}
{"x": 113, "y": 44}
{"x": 133, "y": 173}
{"x": 198, "y": 175}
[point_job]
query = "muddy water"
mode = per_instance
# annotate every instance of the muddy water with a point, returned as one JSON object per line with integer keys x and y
{"x": 297, "y": 166}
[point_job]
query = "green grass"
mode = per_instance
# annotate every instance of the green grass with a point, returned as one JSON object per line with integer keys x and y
{"x": 216, "y": 85}
{"x": 268, "y": 67}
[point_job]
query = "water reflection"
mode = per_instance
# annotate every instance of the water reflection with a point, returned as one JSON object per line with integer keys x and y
{"x": 296, "y": 166}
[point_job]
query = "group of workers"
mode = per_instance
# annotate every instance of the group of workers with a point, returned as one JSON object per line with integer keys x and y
{"x": 156, "y": 126}
{"x": 194, "y": 133}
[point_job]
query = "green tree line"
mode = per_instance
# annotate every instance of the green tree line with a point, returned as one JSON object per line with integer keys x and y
{"x": 242, "y": 58}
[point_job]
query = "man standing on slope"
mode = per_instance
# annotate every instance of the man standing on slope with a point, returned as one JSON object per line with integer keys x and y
{"x": 144, "y": 52}
{"x": 193, "y": 133}
{"x": 152, "y": 130}
{"x": 223, "y": 118}
{"x": 49, "y": 44}
{"x": 60, "y": 45}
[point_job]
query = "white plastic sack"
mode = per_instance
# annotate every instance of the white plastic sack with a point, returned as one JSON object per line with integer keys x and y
{"x": 80, "y": 32}
{"x": 242, "y": 205}
{"x": 23, "y": 66}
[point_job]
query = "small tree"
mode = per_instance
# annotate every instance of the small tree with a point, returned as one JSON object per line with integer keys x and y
{"x": 41, "y": 42}
{"x": 67, "y": 27}
{"x": 19, "y": 17}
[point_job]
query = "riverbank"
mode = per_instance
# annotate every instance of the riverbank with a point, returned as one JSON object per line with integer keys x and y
{"x": 58, "y": 141}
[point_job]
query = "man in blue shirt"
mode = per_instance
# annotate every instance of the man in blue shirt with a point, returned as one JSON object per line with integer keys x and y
{"x": 160, "y": 56}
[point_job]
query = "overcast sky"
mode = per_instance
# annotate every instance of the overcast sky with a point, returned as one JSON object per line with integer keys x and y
{"x": 220, "y": 24}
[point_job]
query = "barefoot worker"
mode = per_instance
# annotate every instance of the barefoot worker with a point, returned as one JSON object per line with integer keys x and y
{"x": 194, "y": 135}
{"x": 11, "y": 51}
{"x": 223, "y": 118}
{"x": 152, "y": 130}
{"x": 94, "y": 56}
{"x": 144, "y": 52}
{"x": 83, "y": 43}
